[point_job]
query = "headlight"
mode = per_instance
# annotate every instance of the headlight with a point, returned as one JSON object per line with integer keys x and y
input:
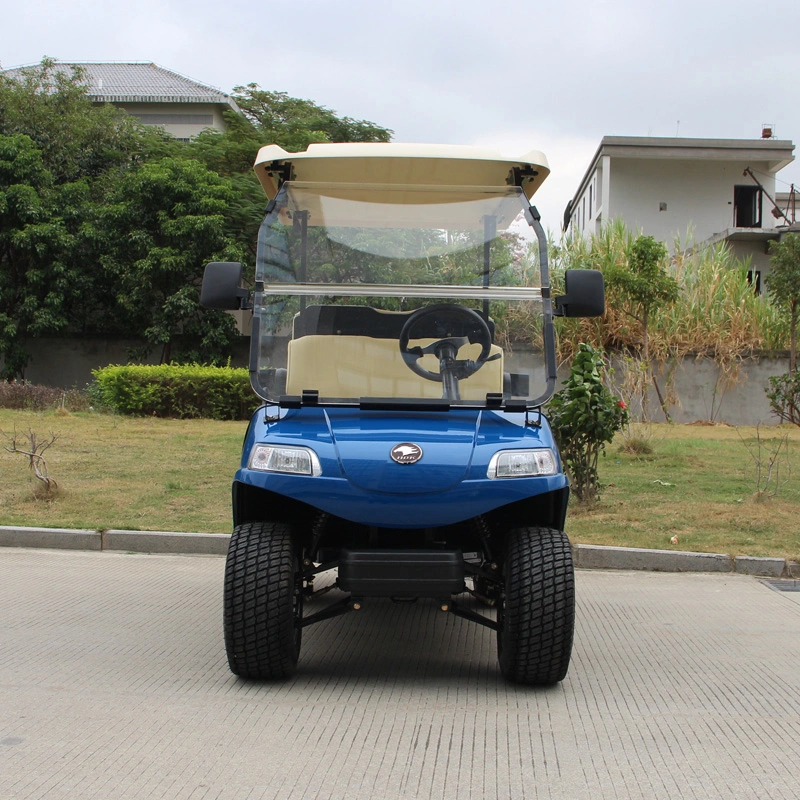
{"x": 294, "y": 460}
{"x": 522, "y": 463}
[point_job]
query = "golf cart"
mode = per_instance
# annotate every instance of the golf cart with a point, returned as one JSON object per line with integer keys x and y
{"x": 403, "y": 346}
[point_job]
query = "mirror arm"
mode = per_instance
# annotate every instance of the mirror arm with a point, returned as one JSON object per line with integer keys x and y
{"x": 245, "y": 298}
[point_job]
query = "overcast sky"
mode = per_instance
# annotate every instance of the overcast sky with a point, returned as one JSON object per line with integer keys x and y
{"x": 517, "y": 75}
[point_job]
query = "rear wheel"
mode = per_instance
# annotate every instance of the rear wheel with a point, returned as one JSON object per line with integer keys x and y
{"x": 537, "y": 613}
{"x": 263, "y": 601}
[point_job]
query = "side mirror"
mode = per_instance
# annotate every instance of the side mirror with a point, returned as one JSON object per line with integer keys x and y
{"x": 585, "y": 297}
{"x": 221, "y": 288}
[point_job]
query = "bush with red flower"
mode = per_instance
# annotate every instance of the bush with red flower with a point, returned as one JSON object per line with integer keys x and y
{"x": 584, "y": 417}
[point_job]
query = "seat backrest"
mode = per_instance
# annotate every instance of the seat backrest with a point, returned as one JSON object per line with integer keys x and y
{"x": 364, "y": 366}
{"x": 336, "y": 320}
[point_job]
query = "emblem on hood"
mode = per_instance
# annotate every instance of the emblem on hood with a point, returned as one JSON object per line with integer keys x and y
{"x": 406, "y": 453}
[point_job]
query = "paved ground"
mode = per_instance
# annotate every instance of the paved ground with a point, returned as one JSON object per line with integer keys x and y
{"x": 113, "y": 684}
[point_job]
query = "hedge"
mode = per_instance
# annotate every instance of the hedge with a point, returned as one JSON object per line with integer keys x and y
{"x": 177, "y": 390}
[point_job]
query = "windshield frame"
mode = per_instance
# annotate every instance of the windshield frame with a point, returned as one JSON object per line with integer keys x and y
{"x": 484, "y": 292}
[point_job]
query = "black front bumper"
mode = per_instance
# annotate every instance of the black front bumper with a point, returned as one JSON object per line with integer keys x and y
{"x": 401, "y": 573}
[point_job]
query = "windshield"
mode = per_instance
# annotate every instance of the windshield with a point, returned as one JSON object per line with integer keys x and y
{"x": 383, "y": 295}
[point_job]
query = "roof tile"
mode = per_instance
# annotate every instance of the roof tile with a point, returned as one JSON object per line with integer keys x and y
{"x": 121, "y": 82}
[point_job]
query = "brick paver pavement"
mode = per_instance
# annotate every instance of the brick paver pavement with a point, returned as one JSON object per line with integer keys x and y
{"x": 114, "y": 684}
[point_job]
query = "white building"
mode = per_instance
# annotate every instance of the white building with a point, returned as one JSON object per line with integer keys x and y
{"x": 156, "y": 96}
{"x": 717, "y": 189}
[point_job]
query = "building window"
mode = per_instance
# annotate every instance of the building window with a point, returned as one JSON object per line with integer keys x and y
{"x": 174, "y": 119}
{"x": 746, "y": 206}
{"x": 754, "y": 279}
{"x": 591, "y": 197}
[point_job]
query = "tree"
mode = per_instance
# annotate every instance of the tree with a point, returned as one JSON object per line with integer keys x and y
{"x": 58, "y": 154}
{"x": 105, "y": 225}
{"x": 783, "y": 288}
{"x": 76, "y": 138}
{"x": 642, "y": 287}
{"x": 268, "y": 118}
{"x": 50, "y": 279}
{"x": 274, "y": 118}
{"x": 783, "y": 285}
{"x": 232, "y": 154}
{"x": 163, "y": 223}
{"x": 294, "y": 123}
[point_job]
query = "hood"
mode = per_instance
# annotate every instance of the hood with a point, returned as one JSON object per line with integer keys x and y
{"x": 364, "y": 445}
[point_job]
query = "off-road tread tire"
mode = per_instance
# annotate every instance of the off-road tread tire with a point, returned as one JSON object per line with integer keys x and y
{"x": 261, "y": 638}
{"x": 534, "y": 643}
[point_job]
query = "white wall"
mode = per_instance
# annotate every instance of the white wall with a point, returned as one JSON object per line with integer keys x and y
{"x": 589, "y": 208}
{"x": 156, "y": 113}
{"x": 757, "y": 253}
{"x": 699, "y": 193}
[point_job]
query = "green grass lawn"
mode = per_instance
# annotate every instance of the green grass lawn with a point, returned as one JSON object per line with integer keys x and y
{"x": 122, "y": 472}
{"x": 699, "y": 485}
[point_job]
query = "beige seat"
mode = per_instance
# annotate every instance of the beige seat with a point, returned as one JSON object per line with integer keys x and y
{"x": 363, "y": 366}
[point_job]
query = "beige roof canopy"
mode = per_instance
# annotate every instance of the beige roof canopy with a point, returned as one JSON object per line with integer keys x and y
{"x": 399, "y": 165}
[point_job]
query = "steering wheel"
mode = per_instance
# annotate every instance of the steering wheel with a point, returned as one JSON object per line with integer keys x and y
{"x": 444, "y": 318}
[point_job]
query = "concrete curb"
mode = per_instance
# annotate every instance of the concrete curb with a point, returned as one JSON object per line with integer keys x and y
{"x": 165, "y": 542}
{"x": 587, "y": 556}
{"x": 55, "y": 538}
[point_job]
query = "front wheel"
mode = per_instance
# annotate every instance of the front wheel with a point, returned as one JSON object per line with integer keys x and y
{"x": 537, "y": 614}
{"x": 263, "y": 601}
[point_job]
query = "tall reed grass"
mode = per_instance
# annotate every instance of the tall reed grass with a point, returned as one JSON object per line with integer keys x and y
{"x": 718, "y": 315}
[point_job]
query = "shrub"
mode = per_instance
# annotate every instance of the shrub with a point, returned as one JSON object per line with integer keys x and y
{"x": 35, "y": 397}
{"x": 584, "y": 416}
{"x": 784, "y": 396}
{"x": 173, "y": 390}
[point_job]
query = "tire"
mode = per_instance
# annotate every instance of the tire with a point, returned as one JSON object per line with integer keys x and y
{"x": 537, "y": 613}
{"x": 262, "y": 604}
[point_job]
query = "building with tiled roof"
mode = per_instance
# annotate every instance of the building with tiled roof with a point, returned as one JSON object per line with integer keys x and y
{"x": 156, "y": 96}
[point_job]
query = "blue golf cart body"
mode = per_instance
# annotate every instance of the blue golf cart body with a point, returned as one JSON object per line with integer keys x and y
{"x": 402, "y": 342}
